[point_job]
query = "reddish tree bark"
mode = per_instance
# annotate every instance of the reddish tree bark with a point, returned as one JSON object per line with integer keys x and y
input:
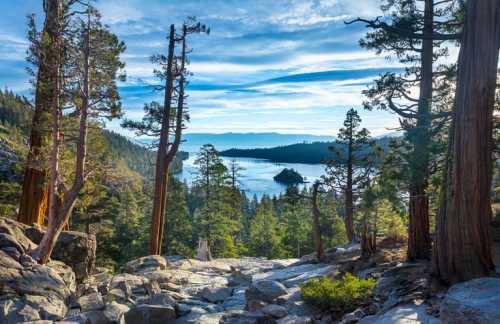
{"x": 168, "y": 149}
{"x": 463, "y": 245}
{"x": 61, "y": 203}
{"x": 34, "y": 198}
{"x": 161, "y": 171}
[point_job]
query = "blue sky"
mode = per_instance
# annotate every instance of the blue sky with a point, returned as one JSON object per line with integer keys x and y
{"x": 288, "y": 66}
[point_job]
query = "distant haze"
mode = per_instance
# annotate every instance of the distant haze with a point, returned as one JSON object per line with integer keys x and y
{"x": 227, "y": 141}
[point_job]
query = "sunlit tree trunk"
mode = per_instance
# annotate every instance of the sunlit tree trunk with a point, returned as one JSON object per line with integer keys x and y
{"x": 161, "y": 170}
{"x": 34, "y": 198}
{"x": 463, "y": 245}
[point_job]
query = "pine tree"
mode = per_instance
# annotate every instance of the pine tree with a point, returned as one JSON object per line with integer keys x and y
{"x": 178, "y": 238}
{"x": 91, "y": 72}
{"x": 353, "y": 160}
{"x": 414, "y": 34}
{"x": 45, "y": 54}
{"x": 264, "y": 236}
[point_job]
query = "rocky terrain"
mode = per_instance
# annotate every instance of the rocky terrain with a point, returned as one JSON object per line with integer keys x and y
{"x": 156, "y": 289}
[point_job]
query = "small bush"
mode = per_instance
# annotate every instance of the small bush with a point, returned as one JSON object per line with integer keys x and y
{"x": 343, "y": 295}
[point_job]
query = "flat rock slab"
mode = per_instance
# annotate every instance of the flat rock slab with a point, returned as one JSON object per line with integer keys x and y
{"x": 403, "y": 314}
{"x": 474, "y": 301}
{"x": 303, "y": 272}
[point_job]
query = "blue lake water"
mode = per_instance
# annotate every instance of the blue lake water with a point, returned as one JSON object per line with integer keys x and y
{"x": 257, "y": 176}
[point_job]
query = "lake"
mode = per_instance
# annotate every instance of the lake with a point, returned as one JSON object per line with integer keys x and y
{"x": 257, "y": 176}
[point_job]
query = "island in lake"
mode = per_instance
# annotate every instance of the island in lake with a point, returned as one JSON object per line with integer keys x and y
{"x": 289, "y": 177}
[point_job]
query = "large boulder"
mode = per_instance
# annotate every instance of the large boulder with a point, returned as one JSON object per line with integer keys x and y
{"x": 30, "y": 291}
{"x": 145, "y": 264}
{"x": 474, "y": 301}
{"x": 76, "y": 249}
{"x": 215, "y": 294}
{"x": 265, "y": 290}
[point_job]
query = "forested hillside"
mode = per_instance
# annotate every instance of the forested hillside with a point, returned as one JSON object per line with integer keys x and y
{"x": 313, "y": 153}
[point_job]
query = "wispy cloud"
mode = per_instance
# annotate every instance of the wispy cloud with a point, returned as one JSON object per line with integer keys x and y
{"x": 284, "y": 65}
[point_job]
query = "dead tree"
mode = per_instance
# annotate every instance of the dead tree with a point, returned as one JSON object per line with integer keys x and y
{"x": 167, "y": 121}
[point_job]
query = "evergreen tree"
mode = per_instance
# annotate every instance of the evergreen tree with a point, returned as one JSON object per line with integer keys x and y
{"x": 413, "y": 33}
{"x": 353, "y": 160}
{"x": 264, "y": 235}
{"x": 218, "y": 218}
{"x": 178, "y": 238}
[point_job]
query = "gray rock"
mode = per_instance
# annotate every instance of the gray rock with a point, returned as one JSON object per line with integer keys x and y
{"x": 95, "y": 317}
{"x": 65, "y": 272}
{"x": 353, "y": 317}
{"x": 37, "y": 280}
{"x": 75, "y": 249}
{"x": 294, "y": 319}
{"x": 49, "y": 308}
{"x": 128, "y": 282}
{"x": 474, "y": 301}
{"x": 403, "y": 314}
{"x": 265, "y": 290}
{"x": 247, "y": 318}
{"x": 117, "y": 295}
{"x": 16, "y": 312}
{"x": 302, "y": 272}
{"x": 150, "y": 314}
{"x": 195, "y": 317}
{"x": 216, "y": 294}
{"x": 114, "y": 312}
{"x": 237, "y": 278}
{"x": 145, "y": 264}
{"x": 403, "y": 284}
{"x": 275, "y": 310}
{"x": 91, "y": 302}
{"x": 16, "y": 236}
{"x": 182, "y": 309}
{"x": 162, "y": 299}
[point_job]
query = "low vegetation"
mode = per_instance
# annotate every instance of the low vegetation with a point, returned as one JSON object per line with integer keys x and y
{"x": 342, "y": 296}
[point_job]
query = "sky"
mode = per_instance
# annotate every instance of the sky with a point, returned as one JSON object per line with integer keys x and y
{"x": 287, "y": 66}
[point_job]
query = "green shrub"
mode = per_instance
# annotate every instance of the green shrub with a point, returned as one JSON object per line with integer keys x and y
{"x": 343, "y": 295}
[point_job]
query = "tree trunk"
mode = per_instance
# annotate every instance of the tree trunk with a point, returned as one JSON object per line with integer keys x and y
{"x": 368, "y": 238}
{"x": 161, "y": 167}
{"x": 349, "y": 199}
{"x": 318, "y": 244}
{"x": 60, "y": 207}
{"x": 463, "y": 245}
{"x": 34, "y": 198}
{"x": 419, "y": 241}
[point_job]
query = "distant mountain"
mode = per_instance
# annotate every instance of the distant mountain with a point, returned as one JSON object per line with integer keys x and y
{"x": 311, "y": 153}
{"x": 225, "y": 141}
